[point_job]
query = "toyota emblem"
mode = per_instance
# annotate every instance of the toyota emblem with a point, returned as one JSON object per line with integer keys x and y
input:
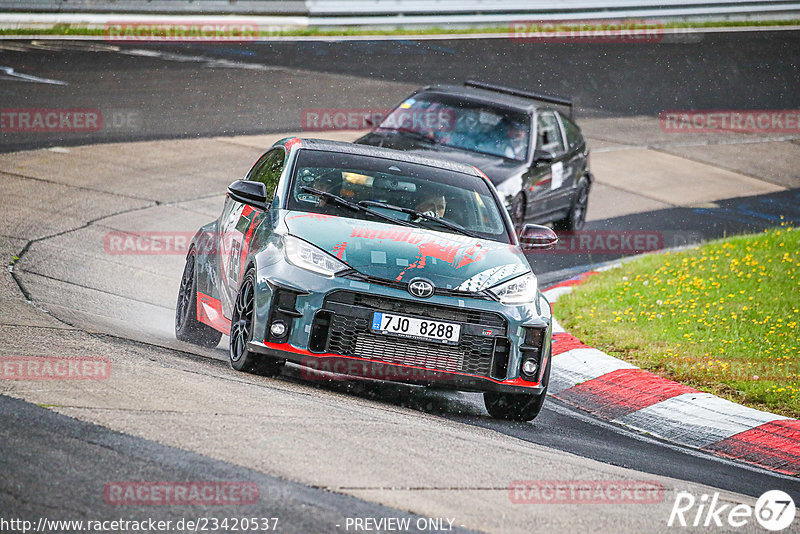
{"x": 420, "y": 288}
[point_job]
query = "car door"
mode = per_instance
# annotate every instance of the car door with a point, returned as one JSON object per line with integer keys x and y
{"x": 576, "y": 161}
{"x": 546, "y": 179}
{"x": 238, "y": 222}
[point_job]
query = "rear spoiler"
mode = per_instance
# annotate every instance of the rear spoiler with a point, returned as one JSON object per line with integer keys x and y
{"x": 524, "y": 94}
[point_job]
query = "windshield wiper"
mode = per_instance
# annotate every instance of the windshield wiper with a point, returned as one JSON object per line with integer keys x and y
{"x": 410, "y": 133}
{"x": 451, "y": 225}
{"x": 353, "y": 206}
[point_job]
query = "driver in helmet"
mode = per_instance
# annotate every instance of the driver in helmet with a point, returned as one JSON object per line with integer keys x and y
{"x": 432, "y": 205}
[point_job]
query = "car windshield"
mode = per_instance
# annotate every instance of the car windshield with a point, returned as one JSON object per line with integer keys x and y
{"x": 473, "y": 126}
{"x": 446, "y": 200}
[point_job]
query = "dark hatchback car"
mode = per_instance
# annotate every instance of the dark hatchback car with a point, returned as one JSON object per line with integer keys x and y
{"x": 534, "y": 154}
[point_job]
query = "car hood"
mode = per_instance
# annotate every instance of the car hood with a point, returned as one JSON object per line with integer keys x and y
{"x": 496, "y": 168}
{"x": 401, "y": 253}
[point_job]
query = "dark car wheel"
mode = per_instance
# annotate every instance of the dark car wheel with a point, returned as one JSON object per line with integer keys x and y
{"x": 187, "y": 327}
{"x": 576, "y": 217}
{"x": 516, "y": 406}
{"x": 244, "y": 309}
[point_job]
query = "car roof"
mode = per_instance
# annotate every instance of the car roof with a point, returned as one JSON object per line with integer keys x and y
{"x": 387, "y": 153}
{"x": 518, "y": 103}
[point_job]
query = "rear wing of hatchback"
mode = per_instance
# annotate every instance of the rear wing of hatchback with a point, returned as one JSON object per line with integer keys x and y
{"x": 524, "y": 94}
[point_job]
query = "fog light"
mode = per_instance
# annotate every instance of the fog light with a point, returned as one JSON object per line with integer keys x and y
{"x": 278, "y": 328}
{"x": 529, "y": 367}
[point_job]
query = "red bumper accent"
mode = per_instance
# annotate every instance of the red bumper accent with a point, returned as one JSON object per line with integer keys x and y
{"x": 209, "y": 311}
{"x": 286, "y": 347}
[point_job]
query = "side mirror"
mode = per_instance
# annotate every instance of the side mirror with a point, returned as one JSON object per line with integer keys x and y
{"x": 250, "y": 193}
{"x": 542, "y": 156}
{"x": 534, "y": 236}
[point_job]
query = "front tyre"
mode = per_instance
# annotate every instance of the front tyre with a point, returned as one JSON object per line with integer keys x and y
{"x": 516, "y": 406}
{"x": 187, "y": 327}
{"x": 241, "y": 358}
{"x": 513, "y": 406}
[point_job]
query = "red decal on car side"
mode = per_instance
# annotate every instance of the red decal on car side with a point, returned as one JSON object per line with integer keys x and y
{"x": 209, "y": 311}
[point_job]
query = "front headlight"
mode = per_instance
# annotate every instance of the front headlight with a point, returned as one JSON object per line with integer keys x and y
{"x": 519, "y": 290}
{"x": 307, "y": 256}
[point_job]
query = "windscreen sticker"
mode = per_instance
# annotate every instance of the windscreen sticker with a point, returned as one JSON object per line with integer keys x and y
{"x": 557, "y": 171}
{"x": 311, "y": 199}
{"x": 408, "y": 103}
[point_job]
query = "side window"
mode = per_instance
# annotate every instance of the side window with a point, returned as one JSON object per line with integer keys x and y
{"x": 548, "y": 133}
{"x": 574, "y": 136}
{"x": 268, "y": 170}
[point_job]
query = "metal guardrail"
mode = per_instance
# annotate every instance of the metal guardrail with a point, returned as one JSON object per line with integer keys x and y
{"x": 172, "y": 7}
{"x": 413, "y": 12}
{"x": 487, "y": 7}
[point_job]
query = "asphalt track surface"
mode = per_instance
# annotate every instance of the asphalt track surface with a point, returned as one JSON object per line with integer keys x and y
{"x": 59, "y": 490}
{"x": 208, "y": 96}
{"x": 232, "y": 89}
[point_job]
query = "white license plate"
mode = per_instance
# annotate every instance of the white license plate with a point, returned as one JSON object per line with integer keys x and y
{"x": 415, "y": 328}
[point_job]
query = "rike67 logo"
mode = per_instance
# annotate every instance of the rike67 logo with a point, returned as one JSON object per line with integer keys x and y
{"x": 774, "y": 511}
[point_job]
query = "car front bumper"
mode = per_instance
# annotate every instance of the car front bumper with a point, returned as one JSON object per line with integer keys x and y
{"x": 328, "y": 320}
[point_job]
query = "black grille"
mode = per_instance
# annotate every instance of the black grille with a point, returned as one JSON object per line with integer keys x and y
{"x": 349, "y": 334}
{"x": 420, "y": 309}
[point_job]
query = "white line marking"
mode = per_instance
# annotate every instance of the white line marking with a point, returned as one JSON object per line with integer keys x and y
{"x": 209, "y": 61}
{"x": 553, "y": 295}
{"x": 28, "y": 78}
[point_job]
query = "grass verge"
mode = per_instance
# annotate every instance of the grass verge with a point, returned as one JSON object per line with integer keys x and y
{"x": 722, "y": 318}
